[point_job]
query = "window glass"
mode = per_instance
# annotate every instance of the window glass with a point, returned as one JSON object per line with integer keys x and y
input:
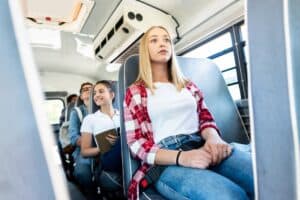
{"x": 222, "y": 51}
{"x": 246, "y": 54}
{"x": 214, "y": 46}
{"x": 225, "y": 61}
{"x": 235, "y": 91}
{"x": 230, "y": 76}
{"x": 53, "y": 109}
{"x": 244, "y": 33}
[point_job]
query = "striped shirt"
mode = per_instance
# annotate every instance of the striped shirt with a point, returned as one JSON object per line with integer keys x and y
{"x": 139, "y": 129}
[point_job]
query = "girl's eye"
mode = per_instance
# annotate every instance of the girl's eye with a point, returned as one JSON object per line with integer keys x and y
{"x": 153, "y": 40}
{"x": 167, "y": 40}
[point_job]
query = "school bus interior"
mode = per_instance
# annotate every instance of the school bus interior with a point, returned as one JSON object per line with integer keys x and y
{"x": 242, "y": 54}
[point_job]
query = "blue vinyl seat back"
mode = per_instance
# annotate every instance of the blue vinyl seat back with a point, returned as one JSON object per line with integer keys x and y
{"x": 207, "y": 76}
{"x": 116, "y": 102}
{"x": 92, "y": 108}
{"x": 24, "y": 170}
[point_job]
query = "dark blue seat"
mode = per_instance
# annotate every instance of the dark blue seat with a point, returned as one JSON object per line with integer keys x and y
{"x": 207, "y": 76}
{"x": 29, "y": 168}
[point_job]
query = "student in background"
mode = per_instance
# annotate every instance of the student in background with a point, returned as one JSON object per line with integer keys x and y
{"x": 164, "y": 111}
{"x": 82, "y": 169}
{"x": 104, "y": 119}
{"x": 71, "y": 99}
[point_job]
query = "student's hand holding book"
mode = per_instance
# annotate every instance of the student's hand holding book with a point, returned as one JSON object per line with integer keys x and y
{"x": 111, "y": 138}
{"x": 106, "y": 139}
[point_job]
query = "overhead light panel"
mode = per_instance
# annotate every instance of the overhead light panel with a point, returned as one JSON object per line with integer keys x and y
{"x": 113, "y": 67}
{"x": 66, "y": 15}
{"x": 45, "y": 38}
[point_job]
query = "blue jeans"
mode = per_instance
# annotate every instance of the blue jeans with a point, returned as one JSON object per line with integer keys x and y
{"x": 82, "y": 171}
{"x": 110, "y": 181}
{"x": 231, "y": 179}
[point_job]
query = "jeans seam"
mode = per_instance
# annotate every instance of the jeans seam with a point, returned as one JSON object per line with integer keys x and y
{"x": 171, "y": 189}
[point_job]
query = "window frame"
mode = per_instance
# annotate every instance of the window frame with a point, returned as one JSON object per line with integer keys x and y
{"x": 239, "y": 55}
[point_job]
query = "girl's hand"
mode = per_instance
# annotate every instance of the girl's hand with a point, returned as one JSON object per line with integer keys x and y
{"x": 218, "y": 148}
{"x": 197, "y": 158}
{"x": 112, "y": 139}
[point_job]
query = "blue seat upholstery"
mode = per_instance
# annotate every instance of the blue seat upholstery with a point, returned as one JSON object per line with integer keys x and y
{"x": 27, "y": 143}
{"x": 116, "y": 90}
{"x": 207, "y": 76}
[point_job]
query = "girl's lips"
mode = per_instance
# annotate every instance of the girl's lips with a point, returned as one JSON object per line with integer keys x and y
{"x": 163, "y": 52}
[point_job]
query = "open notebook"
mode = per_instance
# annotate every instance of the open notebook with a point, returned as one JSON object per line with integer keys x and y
{"x": 101, "y": 141}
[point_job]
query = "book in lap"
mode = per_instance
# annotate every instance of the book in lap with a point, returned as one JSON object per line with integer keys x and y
{"x": 101, "y": 141}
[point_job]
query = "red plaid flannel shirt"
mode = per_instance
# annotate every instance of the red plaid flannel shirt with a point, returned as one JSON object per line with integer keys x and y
{"x": 139, "y": 129}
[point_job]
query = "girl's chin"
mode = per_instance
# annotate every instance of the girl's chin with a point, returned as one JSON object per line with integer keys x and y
{"x": 99, "y": 103}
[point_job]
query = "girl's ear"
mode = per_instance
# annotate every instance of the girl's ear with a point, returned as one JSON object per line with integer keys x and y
{"x": 112, "y": 95}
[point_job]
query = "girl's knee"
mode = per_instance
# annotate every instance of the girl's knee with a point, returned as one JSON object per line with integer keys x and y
{"x": 233, "y": 193}
{"x": 168, "y": 191}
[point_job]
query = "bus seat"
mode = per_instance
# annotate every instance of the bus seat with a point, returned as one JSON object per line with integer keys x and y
{"x": 92, "y": 105}
{"x": 29, "y": 166}
{"x": 116, "y": 90}
{"x": 207, "y": 76}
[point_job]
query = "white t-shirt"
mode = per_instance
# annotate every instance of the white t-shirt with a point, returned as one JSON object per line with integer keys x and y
{"x": 171, "y": 112}
{"x": 99, "y": 122}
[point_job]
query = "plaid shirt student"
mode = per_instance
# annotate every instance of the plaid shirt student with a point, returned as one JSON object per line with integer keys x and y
{"x": 139, "y": 129}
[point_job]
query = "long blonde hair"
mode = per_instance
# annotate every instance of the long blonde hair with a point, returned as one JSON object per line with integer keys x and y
{"x": 145, "y": 70}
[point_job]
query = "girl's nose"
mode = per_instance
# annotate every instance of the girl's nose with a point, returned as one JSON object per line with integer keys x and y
{"x": 162, "y": 44}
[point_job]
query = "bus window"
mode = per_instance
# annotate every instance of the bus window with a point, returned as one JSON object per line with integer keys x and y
{"x": 235, "y": 91}
{"x": 210, "y": 48}
{"x": 222, "y": 50}
{"x": 226, "y": 61}
{"x": 244, "y": 33}
{"x": 53, "y": 109}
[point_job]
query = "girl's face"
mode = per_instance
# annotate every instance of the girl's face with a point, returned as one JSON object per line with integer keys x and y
{"x": 159, "y": 45}
{"x": 102, "y": 95}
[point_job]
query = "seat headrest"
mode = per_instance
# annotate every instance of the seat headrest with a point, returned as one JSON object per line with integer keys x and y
{"x": 92, "y": 106}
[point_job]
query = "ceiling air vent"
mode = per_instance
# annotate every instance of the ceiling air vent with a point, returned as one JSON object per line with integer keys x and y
{"x": 125, "y": 26}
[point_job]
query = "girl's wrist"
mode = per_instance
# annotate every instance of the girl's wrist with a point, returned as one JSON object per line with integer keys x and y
{"x": 177, "y": 157}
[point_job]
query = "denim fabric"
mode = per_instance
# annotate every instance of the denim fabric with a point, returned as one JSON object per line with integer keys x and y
{"x": 82, "y": 171}
{"x": 231, "y": 179}
{"x": 176, "y": 141}
{"x": 74, "y": 128}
